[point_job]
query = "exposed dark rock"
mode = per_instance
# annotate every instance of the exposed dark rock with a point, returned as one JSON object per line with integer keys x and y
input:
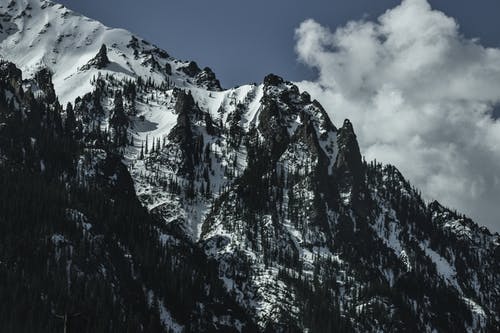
{"x": 44, "y": 81}
{"x": 168, "y": 69}
{"x": 161, "y": 53}
{"x": 10, "y": 73}
{"x": 272, "y": 80}
{"x": 349, "y": 170}
{"x": 273, "y": 128}
{"x": 191, "y": 69}
{"x": 134, "y": 43}
{"x": 100, "y": 61}
{"x": 152, "y": 63}
{"x": 206, "y": 78}
{"x": 183, "y": 133}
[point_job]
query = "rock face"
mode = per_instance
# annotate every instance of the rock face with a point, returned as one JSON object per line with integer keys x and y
{"x": 191, "y": 69}
{"x": 350, "y": 171}
{"x": 100, "y": 61}
{"x": 158, "y": 202}
{"x": 184, "y": 133}
{"x": 11, "y": 75}
{"x": 43, "y": 79}
{"x": 204, "y": 78}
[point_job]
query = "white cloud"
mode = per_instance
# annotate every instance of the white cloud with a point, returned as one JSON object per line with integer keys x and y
{"x": 420, "y": 96}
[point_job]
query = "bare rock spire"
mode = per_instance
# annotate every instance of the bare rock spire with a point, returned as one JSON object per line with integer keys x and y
{"x": 100, "y": 61}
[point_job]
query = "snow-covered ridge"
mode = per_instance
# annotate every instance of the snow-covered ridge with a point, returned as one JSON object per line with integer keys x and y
{"x": 36, "y": 34}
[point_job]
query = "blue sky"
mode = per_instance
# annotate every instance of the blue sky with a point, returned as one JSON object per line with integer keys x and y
{"x": 242, "y": 41}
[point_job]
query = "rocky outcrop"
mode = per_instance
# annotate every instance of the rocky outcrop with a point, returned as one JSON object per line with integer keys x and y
{"x": 100, "y": 61}
{"x": 43, "y": 79}
{"x": 349, "y": 171}
{"x": 11, "y": 75}
{"x": 191, "y": 69}
{"x": 184, "y": 134}
{"x": 206, "y": 78}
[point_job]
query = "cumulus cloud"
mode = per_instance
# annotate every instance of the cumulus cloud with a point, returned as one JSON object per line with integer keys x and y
{"x": 421, "y": 96}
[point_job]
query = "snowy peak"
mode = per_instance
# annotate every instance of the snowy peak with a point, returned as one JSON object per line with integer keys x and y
{"x": 42, "y": 34}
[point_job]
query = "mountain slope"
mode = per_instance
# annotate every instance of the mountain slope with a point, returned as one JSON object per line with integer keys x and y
{"x": 225, "y": 210}
{"x": 43, "y": 34}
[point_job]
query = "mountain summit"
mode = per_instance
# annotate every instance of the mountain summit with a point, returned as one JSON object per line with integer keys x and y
{"x": 138, "y": 195}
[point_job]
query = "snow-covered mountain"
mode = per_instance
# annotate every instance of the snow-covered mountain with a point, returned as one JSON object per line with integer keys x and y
{"x": 177, "y": 205}
{"x": 43, "y": 34}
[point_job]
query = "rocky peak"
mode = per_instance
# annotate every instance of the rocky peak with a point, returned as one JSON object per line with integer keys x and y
{"x": 435, "y": 206}
{"x": 206, "y": 78}
{"x": 349, "y": 169}
{"x": 273, "y": 80}
{"x": 191, "y": 69}
{"x": 100, "y": 61}
{"x": 348, "y": 143}
{"x": 183, "y": 134}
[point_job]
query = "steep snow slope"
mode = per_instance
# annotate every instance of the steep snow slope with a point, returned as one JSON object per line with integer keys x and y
{"x": 160, "y": 118}
{"x": 42, "y": 34}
